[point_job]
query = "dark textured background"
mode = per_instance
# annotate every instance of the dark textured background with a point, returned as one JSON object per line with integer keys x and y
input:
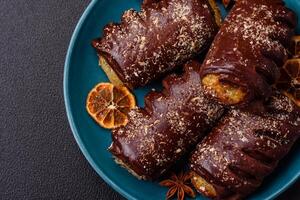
{"x": 39, "y": 158}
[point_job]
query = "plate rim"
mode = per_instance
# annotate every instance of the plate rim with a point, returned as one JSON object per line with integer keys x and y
{"x": 68, "y": 108}
{"x": 72, "y": 124}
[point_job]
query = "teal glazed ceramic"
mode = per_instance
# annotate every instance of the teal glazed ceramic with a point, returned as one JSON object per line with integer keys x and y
{"x": 82, "y": 73}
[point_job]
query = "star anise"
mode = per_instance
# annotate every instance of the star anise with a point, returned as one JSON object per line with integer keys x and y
{"x": 179, "y": 184}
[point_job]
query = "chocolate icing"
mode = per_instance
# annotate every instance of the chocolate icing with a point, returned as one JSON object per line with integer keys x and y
{"x": 245, "y": 147}
{"x": 251, "y": 46}
{"x": 163, "y": 35}
{"x": 171, "y": 123}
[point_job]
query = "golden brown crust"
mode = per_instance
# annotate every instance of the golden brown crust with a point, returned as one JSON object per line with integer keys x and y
{"x": 112, "y": 76}
{"x": 125, "y": 166}
{"x": 203, "y": 186}
{"x": 216, "y": 12}
{"x": 229, "y": 93}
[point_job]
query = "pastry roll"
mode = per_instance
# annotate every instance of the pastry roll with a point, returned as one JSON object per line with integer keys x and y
{"x": 148, "y": 44}
{"x": 171, "y": 123}
{"x": 247, "y": 53}
{"x": 232, "y": 161}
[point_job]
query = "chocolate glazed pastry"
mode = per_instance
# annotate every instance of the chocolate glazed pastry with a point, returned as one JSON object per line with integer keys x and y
{"x": 148, "y": 44}
{"x": 247, "y": 53}
{"x": 232, "y": 161}
{"x": 171, "y": 123}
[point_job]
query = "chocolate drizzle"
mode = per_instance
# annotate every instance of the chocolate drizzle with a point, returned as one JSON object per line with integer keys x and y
{"x": 245, "y": 147}
{"x": 172, "y": 122}
{"x": 162, "y": 36}
{"x": 251, "y": 46}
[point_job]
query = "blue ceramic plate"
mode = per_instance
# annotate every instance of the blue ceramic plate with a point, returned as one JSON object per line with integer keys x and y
{"x": 82, "y": 73}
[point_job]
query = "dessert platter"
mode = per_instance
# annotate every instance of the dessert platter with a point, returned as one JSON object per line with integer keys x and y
{"x": 188, "y": 98}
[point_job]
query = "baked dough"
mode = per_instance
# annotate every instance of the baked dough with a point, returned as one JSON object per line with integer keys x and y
{"x": 163, "y": 36}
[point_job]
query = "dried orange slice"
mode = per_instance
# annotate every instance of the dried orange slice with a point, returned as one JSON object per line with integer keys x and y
{"x": 296, "y": 46}
{"x": 226, "y": 3}
{"x": 290, "y": 79}
{"x": 109, "y": 105}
